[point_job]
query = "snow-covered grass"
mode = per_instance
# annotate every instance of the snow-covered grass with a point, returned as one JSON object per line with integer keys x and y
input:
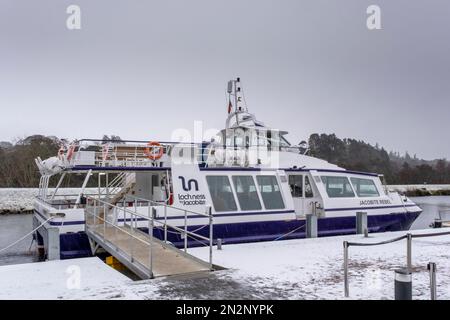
{"x": 293, "y": 269}
{"x": 411, "y": 187}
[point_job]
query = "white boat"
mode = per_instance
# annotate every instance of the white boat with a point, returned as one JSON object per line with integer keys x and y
{"x": 257, "y": 185}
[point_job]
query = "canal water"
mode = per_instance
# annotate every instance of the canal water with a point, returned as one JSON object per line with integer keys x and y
{"x": 15, "y": 226}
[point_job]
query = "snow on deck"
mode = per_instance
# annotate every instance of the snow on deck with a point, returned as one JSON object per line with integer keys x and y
{"x": 292, "y": 269}
{"x": 54, "y": 279}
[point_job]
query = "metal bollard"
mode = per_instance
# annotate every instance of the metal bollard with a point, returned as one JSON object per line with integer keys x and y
{"x": 311, "y": 226}
{"x": 403, "y": 284}
{"x": 366, "y": 233}
{"x": 219, "y": 244}
{"x": 437, "y": 223}
{"x": 361, "y": 222}
{"x": 432, "y": 270}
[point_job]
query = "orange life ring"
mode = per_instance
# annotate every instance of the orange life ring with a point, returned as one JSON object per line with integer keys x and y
{"x": 149, "y": 150}
{"x": 70, "y": 152}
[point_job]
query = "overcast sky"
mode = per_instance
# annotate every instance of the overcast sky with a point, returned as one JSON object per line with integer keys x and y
{"x": 140, "y": 69}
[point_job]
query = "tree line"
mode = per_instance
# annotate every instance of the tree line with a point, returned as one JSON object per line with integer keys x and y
{"x": 18, "y": 169}
{"x": 361, "y": 156}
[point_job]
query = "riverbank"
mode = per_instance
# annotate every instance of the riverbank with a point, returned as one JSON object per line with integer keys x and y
{"x": 20, "y": 200}
{"x": 421, "y": 190}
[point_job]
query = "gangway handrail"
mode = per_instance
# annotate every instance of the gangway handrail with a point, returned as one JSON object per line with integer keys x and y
{"x": 152, "y": 220}
{"x": 408, "y": 237}
{"x": 134, "y": 213}
{"x": 168, "y": 206}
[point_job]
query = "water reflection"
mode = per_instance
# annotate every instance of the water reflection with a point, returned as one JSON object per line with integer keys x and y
{"x": 431, "y": 207}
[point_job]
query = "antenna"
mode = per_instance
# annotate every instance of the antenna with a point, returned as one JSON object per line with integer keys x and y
{"x": 230, "y": 87}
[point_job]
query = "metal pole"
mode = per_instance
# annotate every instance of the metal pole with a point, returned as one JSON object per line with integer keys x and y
{"x": 185, "y": 231}
{"x": 409, "y": 251}
{"x": 165, "y": 223}
{"x": 135, "y": 210}
{"x": 210, "y": 237}
{"x": 346, "y": 289}
{"x": 432, "y": 270}
{"x": 361, "y": 222}
{"x": 107, "y": 185}
{"x": 104, "y": 222}
{"x": 95, "y": 213}
{"x": 131, "y": 237}
{"x": 151, "y": 240}
{"x": 219, "y": 244}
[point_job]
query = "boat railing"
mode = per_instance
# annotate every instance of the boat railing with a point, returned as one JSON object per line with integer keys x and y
{"x": 120, "y": 154}
{"x": 97, "y": 212}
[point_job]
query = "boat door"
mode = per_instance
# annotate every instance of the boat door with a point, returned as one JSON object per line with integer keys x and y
{"x": 303, "y": 194}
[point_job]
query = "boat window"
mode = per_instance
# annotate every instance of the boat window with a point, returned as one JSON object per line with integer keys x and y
{"x": 259, "y": 139}
{"x": 308, "y": 188}
{"x": 246, "y": 192}
{"x": 238, "y": 141}
{"x": 221, "y": 193}
{"x": 296, "y": 185}
{"x": 364, "y": 187}
{"x": 270, "y": 192}
{"x": 338, "y": 187}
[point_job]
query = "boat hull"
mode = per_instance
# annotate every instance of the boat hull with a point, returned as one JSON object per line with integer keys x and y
{"x": 76, "y": 245}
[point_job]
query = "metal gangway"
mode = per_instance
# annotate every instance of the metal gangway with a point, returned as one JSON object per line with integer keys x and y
{"x": 141, "y": 252}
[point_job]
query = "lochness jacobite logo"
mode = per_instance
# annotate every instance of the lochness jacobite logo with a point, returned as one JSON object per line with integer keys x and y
{"x": 190, "y": 183}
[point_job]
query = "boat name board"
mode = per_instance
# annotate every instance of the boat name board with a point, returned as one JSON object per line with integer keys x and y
{"x": 374, "y": 201}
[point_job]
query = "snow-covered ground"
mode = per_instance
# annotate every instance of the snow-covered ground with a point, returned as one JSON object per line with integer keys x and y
{"x": 18, "y": 200}
{"x": 54, "y": 279}
{"x": 293, "y": 269}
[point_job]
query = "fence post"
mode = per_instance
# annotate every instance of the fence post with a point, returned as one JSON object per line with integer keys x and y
{"x": 361, "y": 222}
{"x": 165, "y": 223}
{"x": 151, "y": 239}
{"x": 104, "y": 222}
{"x": 346, "y": 289}
{"x": 432, "y": 270}
{"x": 185, "y": 231}
{"x": 403, "y": 284}
{"x": 409, "y": 251}
{"x": 311, "y": 226}
{"x": 219, "y": 244}
{"x": 211, "y": 237}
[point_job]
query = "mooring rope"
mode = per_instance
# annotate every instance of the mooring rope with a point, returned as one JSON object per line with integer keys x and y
{"x": 286, "y": 234}
{"x": 26, "y": 236}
